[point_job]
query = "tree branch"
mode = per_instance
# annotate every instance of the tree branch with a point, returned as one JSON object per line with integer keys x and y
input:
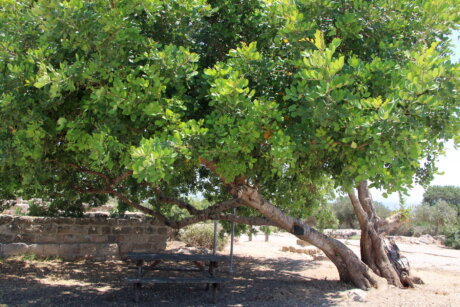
{"x": 88, "y": 171}
{"x": 121, "y": 177}
{"x": 385, "y": 226}
{"x": 139, "y": 207}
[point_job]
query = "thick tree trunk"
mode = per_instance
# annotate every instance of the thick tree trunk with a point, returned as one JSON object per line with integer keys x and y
{"x": 378, "y": 252}
{"x": 350, "y": 267}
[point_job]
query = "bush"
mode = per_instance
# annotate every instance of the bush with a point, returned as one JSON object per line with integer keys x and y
{"x": 343, "y": 211}
{"x": 432, "y": 220}
{"x": 453, "y": 236}
{"x": 202, "y": 235}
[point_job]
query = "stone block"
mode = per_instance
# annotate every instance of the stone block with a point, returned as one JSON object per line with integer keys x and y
{"x": 138, "y": 230}
{"x": 112, "y": 239}
{"x": 5, "y": 229}
{"x": 159, "y": 246}
{"x": 142, "y": 247}
{"x": 13, "y": 249}
{"x": 162, "y": 231}
{"x": 39, "y": 228}
{"x": 68, "y": 238}
{"x": 69, "y": 251}
{"x": 5, "y": 219}
{"x": 150, "y": 230}
{"x": 15, "y": 228}
{"x": 123, "y": 222}
{"x": 50, "y": 250}
{"x": 36, "y": 249}
{"x": 156, "y": 238}
{"x": 38, "y": 220}
{"x": 107, "y": 251}
{"x": 124, "y": 248}
{"x": 85, "y": 221}
{"x": 106, "y": 230}
{"x": 44, "y": 238}
{"x": 93, "y": 230}
{"x": 79, "y": 229}
{"x": 303, "y": 243}
{"x": 63, "y": 229}
{"x": 88, "y": 250}
{"x": 25, "y": 238}
{"x": 111, "y": 221}
{"x": 152, "y": 222}
{"x": 97, "y": 239}
{"x": 6, "y": 238}
{"x": 65, "y": 220}
{"x": 121, "y": 230}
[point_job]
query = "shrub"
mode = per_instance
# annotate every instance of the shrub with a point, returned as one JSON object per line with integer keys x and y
{"x": 202, "y": 235}
{"x": 453, "y": 236}
{"x": 432, "y": 220}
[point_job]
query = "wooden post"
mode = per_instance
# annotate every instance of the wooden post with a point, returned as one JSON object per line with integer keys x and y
{"x": 215, "y": 238}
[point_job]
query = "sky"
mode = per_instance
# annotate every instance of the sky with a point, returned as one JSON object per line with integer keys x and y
{"x": 448, "y": 165}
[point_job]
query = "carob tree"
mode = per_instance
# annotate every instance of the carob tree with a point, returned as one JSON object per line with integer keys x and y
{"x": 267, "y": 106}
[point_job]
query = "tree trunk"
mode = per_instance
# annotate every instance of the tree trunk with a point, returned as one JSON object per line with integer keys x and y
{"x": 350, "y": 267}
{"x": 378, "y": 252}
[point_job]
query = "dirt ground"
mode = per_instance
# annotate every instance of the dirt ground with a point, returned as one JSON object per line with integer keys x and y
{"x": 263, "y": 275}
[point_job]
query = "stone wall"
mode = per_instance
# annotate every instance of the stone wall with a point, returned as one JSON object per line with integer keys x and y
{"x": 74, "y": 238}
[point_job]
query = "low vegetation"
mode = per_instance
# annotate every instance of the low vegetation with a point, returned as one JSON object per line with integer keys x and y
{"x": 202, "y": 236}
{"x": 438, "y": 214}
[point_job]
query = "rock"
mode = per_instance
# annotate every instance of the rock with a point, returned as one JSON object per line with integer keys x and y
{"x": 440, "y": 239}
{"x": 357, "y": 295}
{"x": 342, "y": 233}
{"x": 303, "y": 243}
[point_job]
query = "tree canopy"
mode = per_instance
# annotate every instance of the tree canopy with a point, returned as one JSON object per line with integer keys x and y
{"x": 150, "y": 101}
{"x": 448, "y": 193}
{"x": 265, "y": 105}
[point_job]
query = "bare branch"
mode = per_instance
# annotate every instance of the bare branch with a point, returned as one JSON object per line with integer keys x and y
{"x": 139, "y": 207}
{"x": 122, "y": 177}
{"x": 385, "y": 226}
{"x": 88, "y": 171}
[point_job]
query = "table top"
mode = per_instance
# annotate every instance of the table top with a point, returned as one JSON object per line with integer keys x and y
{"x": 176, "y": 257}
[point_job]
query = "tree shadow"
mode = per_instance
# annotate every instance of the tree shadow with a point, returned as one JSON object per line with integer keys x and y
{"x": 255, "y": 282}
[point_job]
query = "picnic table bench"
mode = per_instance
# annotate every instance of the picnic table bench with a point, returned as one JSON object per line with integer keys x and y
{"x": 205, "y": 264}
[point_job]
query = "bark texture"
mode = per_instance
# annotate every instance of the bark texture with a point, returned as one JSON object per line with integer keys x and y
{"x": 350, "y": 267}
{"x": 378, "y": 252}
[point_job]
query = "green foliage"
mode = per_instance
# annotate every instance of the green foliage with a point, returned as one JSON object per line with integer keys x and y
{"x": 343, "y": 211}
{"x": 18, "y": 211}
{"x": 325, "y": 217}
{"x": 453, "y": 236}
{"x": 268, "y": 229}
{"x": 450, "y": 194}
{"x": 202, "y": 236}
{"x": 297, "y": 97}
{"x": 432, "y": 220}
{"x": 120, "y": 209}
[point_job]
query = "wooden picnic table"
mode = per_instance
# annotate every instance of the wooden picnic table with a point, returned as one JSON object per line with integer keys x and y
{"x": 205, "y": 264}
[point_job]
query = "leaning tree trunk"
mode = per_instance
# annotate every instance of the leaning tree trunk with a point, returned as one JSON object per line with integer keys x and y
{"x": 378, "y": 252}
{"x": 350, "y": 267}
